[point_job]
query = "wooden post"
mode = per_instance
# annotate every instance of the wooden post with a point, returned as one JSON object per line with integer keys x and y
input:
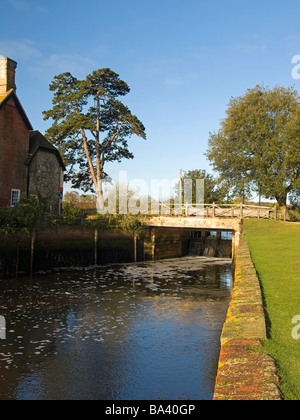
{"x": 32, "y": 252}
{"x": 96, "y": 246}
{"x": 135, "y": 241}
{"x": 214, "y": 210}
{"x": 275, "y": 213}
{"x": 153, "y": 243}
{"x": 17, "y": 259}
{"x": 241, "y": 211}
{"x": 180, "y": 189}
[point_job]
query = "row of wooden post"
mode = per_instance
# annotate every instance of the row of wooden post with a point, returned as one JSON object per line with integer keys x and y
{"x": 96, "y": 238}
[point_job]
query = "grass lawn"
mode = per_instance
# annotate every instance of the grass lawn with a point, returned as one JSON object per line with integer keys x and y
{"x": 275, "y": 249}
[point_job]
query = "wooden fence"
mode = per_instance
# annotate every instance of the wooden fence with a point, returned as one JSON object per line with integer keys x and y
{"x": 223, "y": 210}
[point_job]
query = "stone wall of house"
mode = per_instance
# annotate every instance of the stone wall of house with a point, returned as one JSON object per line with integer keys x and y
{"x": 45, "y": 177}
{"x": 14, "y": 143}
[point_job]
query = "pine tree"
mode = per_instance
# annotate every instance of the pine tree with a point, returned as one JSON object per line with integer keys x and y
{"x": 91, "y": 126}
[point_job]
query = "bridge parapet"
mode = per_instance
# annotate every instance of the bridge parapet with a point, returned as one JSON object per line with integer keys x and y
{"x": 240, "y": 211}
{"x": 231, "y": 224}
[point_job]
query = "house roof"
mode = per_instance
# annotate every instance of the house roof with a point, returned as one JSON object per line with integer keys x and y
{"x": 38, "y": 142}
{"x": 11, "y": 94}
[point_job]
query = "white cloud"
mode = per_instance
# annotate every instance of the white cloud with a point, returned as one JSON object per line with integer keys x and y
{"x": 24, "y": 6}
{"x": 173, "y": 82}
{"x": 44, "y": 64}
{"x": 249, "y": 48}
{"x": 68, "y": 62}
{"x": 20, "y": 5}
{"x": 20, "y": 50}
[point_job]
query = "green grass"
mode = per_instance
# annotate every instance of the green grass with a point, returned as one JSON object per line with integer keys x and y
{"x": 275, "y": 249}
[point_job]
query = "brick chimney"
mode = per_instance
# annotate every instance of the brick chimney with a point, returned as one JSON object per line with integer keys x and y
{"x": 7, "y": 75}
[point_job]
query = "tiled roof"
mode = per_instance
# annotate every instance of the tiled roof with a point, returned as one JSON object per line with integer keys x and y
{"x": 11, "y": 94}
{"x": 3, "y": 97}
{"x": 38, "y": 141}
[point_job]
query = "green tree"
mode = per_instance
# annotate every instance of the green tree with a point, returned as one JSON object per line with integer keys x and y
{"x": 257, "y": 145}
{"x": 83, "y": 201}
{"x": 71, "y": 215}
{"x": 72, "y": 197}
{"x": 213, "y": 191}
{"x": 91, "y": 126}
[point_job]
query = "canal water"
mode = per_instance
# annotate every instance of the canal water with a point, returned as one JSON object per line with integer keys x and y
{"x": 146, "y": 331}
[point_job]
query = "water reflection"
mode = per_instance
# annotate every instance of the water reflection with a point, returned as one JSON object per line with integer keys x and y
{"x": 135, "y": 331}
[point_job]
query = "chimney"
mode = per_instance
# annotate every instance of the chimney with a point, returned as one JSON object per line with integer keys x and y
{"x": 7, "y": 75}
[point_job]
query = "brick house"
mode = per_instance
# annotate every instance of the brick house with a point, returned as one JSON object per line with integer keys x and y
{"x": 29, "y": 164}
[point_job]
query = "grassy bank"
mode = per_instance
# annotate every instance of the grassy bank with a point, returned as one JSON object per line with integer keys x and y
{"x": 275, "y": 249}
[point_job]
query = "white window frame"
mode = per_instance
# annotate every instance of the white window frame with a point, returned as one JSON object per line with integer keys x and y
{"x": 15, "y": 197}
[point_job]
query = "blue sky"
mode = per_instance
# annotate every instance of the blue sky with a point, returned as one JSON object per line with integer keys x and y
{"x": 183, "y": 60}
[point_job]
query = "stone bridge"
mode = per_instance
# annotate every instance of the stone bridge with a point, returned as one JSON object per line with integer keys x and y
{"x": 170, "y": 236}
{"x": 195, "y": 223}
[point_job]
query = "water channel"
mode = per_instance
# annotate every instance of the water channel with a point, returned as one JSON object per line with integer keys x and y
{"x": 143, "y": 331}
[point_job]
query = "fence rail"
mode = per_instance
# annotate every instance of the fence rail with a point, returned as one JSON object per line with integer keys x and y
{"x": 222, "y": 210}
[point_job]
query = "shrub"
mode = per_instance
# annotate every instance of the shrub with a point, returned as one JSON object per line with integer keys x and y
{"x": 131, "y": 224}
{"x": 294, "y": 215}
{"x": 126, "y": 223}
{"x": 27, "y": 215}
{"x": 71, "y": 215}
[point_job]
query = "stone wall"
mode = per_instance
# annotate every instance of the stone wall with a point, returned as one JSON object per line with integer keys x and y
{"x": 245, "y": 372}
{"x": 45, "y": 178}
{"x": 165, "y": 243}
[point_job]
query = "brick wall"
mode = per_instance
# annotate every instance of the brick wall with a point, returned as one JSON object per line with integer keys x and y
{"x": 14, "y": 144}
{"x": 7, "y": 75}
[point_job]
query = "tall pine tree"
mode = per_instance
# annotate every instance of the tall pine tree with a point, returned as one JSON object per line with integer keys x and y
{"x": 91, "y": 126}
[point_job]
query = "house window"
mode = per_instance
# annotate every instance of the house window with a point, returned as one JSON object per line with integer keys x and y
{"x": 15, "y": 197}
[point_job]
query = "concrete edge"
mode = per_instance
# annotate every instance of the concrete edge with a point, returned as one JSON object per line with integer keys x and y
{"x": 245, "y": 372}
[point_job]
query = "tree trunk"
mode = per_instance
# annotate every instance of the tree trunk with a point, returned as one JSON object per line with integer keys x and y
{"x": 282, "y": 201}
{"x": 100, "y": 197}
